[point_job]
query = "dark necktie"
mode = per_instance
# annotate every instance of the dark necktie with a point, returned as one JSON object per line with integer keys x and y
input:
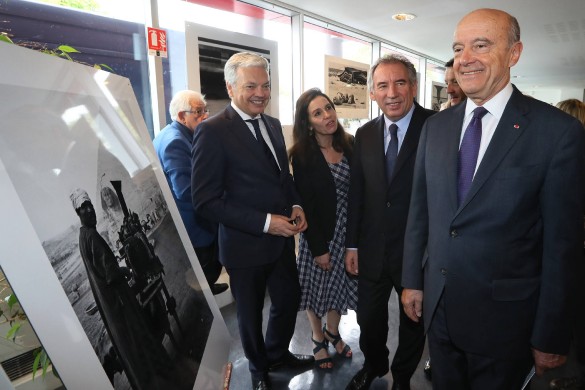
{"x": 391, "y": 151}
{"x": 263, "y": 144}
{"x": 468, "y": 152}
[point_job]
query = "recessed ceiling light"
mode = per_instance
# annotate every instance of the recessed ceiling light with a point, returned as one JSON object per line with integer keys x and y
{"x": 403, "y": 17}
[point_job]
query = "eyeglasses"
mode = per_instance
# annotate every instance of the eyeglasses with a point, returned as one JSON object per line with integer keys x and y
{"x": 199, "y": 111}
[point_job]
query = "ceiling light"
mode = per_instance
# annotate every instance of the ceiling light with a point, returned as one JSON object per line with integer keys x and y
{"x": 403, "y": 17}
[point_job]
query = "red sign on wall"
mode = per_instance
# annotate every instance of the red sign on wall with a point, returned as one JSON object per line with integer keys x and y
{"x": 157, "y": 42}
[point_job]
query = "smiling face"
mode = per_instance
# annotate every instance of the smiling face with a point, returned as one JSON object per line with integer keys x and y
{"x": 453, "y": 89}
{"x": 483, "y": 54}
{"x": 322, "y": 118}
{"x": 251, "y": 93}
{"x": 392, "y": 90}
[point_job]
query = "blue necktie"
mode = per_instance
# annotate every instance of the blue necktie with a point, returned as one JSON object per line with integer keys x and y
{"x": 263, "y": 144}
{"x": 468, "y": 152}
{"x": 391, "y": 151}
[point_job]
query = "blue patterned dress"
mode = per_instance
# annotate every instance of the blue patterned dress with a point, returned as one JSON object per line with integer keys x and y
{"x": 322, "y": 291}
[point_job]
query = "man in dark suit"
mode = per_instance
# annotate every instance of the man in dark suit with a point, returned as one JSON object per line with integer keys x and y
{"x": 495, "y": 223}
{"x": 379, "y": 196}
{"x": 173, "y": 148}
{"x": 241, "y": 180}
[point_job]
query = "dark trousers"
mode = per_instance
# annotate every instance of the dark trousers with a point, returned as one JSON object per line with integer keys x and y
{"x": 455, "y": 369}
{"x": 372, "y": 316}
{"x": 209, "y": 259}
{"x": 249, "y": 288}
{"x": 579, "y": 316}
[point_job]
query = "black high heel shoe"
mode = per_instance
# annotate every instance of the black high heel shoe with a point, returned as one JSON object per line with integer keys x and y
{"x": 325, "y": 363}
{"x": 334, "y": 339}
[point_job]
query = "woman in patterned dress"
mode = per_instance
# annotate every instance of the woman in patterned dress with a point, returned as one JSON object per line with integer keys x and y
{"x": 320, "y": 159}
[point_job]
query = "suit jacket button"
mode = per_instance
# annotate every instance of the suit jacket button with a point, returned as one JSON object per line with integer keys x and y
{"x": 387, "y": 204}
{"x": 443, "y": 271}
{"x": 454, "y": 233}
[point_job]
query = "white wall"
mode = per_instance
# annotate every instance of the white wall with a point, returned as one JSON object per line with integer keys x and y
{"x": 553, "y": 96}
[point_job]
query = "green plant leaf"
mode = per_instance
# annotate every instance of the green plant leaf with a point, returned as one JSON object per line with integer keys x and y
{"x": 45, "y": 362}
{"x": 106, "y": 67}
{"x": 41, "y": 361}
{"x": 11, "y": 334}
{"x": 36, "y": 362}
{"x": 11, "y": 301}
{"x": 67, "y": 49}
{"x": 65, "y": 55}
{"x": 5, "y": 38}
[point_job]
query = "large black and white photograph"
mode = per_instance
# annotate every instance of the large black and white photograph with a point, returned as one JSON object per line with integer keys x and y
{"x": 210, "y": 48}
{"x": 94, "y": 197}
{"x": 346, "y": 83}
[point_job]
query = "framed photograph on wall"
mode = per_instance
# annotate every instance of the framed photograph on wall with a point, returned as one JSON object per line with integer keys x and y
{"x": 209, "y": 48}
{"x": 346, "y": 83}
{"x": 439, "y": 95}
{"x": 95, "y": 250}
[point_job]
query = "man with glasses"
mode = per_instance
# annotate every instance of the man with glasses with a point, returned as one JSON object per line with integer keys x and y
{"x": 173, "y": 147}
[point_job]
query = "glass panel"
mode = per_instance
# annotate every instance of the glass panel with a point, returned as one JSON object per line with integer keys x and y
{"x": 116, "y": 44}
{"x": 345, "y": 58}
{"x": 18, "y": 349}
{"x": 240, "y": 18}
{"x": 393, "y": 50}
{"x": 435, "y": 88}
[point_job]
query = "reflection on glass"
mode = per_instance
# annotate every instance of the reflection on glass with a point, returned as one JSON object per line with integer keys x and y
{"x": 19, "y": 344}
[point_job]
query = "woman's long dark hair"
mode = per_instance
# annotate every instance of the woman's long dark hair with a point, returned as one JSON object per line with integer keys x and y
{"x": 303, "y": 141}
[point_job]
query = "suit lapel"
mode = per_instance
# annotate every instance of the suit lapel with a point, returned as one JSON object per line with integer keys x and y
{"x": 242, "y": 132}
{"x": 512, "y": 124}
{"x": 453, "y": 138}
{"x": 376, "y": 144}
{"x": 410, "y": 142}
{"x": 275, "y": 134}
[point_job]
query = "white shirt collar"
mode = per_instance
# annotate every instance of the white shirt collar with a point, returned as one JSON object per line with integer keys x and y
{"x": 402, "y": 123}
{"x": 243, "y": 114}
{"x": 495, "y": 105}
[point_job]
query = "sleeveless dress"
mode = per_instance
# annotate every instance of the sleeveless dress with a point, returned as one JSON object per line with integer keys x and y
{"x": 322, "y": 291}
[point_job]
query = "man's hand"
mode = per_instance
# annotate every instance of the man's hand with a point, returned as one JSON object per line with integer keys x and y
{"x": 351, "y": 261}
{"x": 412, "y": 302}
{"x": 298, "y": 216}
{"x": 282, "y": 226}
{"x": 546, "y": 361}
{"x": 323, "y": 261}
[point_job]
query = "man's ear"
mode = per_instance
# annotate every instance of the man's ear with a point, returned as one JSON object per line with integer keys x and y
{"x": 515, "y": 53}
{"x": 230, "y": 90}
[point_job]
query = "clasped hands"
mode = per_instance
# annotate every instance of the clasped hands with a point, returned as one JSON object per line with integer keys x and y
{"x": 288, "y": 226}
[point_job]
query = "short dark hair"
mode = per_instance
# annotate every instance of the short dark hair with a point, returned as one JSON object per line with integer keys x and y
{"x": 449, "y": 64}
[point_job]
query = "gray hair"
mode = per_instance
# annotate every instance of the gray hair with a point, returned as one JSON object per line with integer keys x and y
{"x": 514, "y": 32}
{"x": 182, "y": 102}
{"x": 243, "y": 60}
{"x": 392, "y": 59}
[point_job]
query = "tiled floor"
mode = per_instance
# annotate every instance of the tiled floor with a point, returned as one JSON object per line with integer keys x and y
{"x": 344, "y": 368}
